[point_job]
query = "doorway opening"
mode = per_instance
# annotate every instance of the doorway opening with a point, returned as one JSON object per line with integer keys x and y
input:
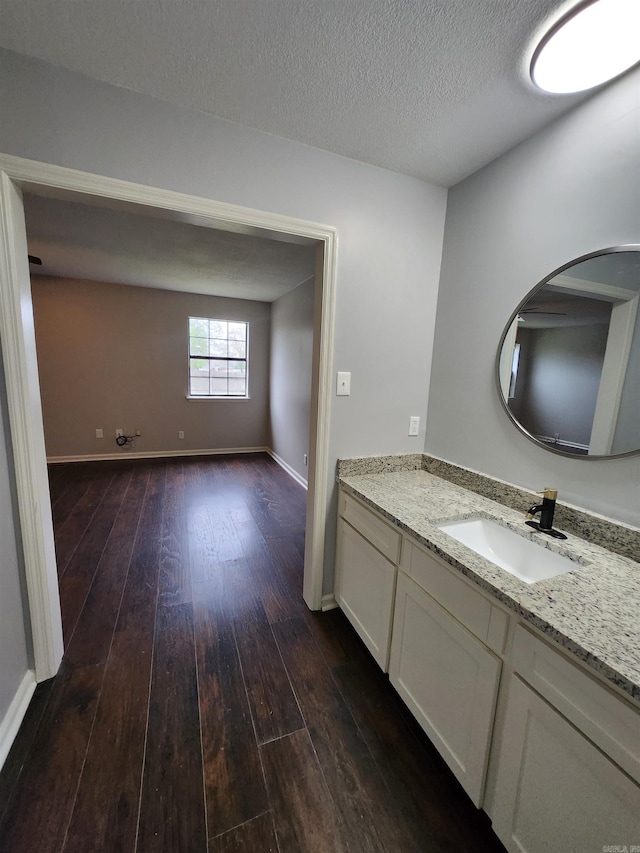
{"x": 23, "y": 392}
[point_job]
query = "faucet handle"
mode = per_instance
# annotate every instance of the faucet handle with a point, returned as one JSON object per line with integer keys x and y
{"x": 550, "y": 494}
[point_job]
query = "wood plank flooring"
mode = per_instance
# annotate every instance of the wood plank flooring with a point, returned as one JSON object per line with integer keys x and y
{"x": 200, "y": 706}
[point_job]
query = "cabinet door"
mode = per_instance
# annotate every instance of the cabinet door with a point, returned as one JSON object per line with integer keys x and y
{"x": 449, "y": 680}
{"x": 365, "y": 590}
{"x": 554, "y": 789}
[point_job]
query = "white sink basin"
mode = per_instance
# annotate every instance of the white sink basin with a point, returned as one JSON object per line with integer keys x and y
{"x": 521, "y": 557}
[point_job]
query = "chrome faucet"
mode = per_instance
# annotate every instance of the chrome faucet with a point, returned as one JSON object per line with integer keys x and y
{"x": 546, "y": 509}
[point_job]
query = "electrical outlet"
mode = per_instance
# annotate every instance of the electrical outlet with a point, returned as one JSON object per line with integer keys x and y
{"x": 118, "y": 433}
{"x": 305, "y": 458}
{"x": 99, "y": 433}
{"x": 414, "y": 425}
{"x": 138, "y": 432}
{"x": 180, "y": 433}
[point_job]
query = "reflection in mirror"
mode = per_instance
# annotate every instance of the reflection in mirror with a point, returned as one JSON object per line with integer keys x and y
{"x": 568, "y": 365}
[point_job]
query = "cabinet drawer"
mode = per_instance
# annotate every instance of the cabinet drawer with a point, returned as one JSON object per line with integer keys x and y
{"x": 607, "y": 720}
{"x": 488, "y": 622}
{"x": 381, "y": 535}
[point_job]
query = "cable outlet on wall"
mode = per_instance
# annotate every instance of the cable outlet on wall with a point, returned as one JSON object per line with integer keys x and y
{"x": 118, "y": 433}
{"x": 180, "y": 433}
{"x": 99, "y": 433}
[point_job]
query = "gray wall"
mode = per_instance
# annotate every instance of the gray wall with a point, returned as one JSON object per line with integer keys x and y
{"x": 558, "y": 381}
{"x": 110, "y": 356}
{"x": 14, "y": 656}
{"x": 290, "y": 387}
{"x": 572, "y": 189}
{"x": 389, "y": 226}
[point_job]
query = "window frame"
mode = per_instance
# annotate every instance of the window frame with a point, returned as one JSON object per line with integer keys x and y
{"x": 190, "y": 395}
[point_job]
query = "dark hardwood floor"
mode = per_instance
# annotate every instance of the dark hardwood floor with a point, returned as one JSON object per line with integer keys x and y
{"x": 200, "y": 705}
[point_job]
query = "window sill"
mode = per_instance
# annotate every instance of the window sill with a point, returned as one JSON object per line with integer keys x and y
{"x": 202, "y": 397}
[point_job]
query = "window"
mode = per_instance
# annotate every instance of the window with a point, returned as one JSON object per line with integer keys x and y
{"x": 217, "y": 358}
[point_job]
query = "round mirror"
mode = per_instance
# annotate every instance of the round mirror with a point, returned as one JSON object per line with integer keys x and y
{"x": 568, "y": 363}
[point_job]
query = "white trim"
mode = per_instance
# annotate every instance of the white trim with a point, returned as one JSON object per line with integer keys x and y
{"x": 616, "y": 357}
{"x": 160, "y": 454}
{"x": 20, "y": 365}
{"x": 329, "y": 602}
{"x": 506, "y": 358}
{"x": 209, "y": 399}
{"x": 15, "y": 714}
{"x": 153, "y": 454}
{"x": 548, "y": 439}
{"x": 321, "y": 398}
{"x": 593, "y": 289}
{"x": 17, "y": 335}
{"x": 291, "y": 471}
{"x": 26, "y": 172}
{"x": 614, "y": 371}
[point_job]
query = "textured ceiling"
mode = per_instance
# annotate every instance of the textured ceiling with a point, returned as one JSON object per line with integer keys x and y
{"x": 95, "y": 243}
{"x": 430, "y": 88}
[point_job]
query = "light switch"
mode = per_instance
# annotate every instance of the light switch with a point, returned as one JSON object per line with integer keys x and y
{"x": 414, "y": 425}
{"x": 343, "y": 385}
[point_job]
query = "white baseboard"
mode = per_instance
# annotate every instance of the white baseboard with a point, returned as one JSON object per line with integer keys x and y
{"x": 161, "y": 454}
{"x": 156, "y": 454}
{"x": 556, "y": 442}
{"x": 291, "y": 471}
{"x": 15, "y": 714}
{"x": 329, "y": 602}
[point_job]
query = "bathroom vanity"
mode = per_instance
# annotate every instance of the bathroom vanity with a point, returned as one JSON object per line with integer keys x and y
{"x": 530, "y": 692}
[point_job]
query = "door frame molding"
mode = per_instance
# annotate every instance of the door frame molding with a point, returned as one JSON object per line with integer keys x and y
{"x": 624, "y": 309}
{"x": 23, "y": 390}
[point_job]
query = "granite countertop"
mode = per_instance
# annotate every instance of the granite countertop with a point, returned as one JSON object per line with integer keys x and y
{"x": 592, "y": 611}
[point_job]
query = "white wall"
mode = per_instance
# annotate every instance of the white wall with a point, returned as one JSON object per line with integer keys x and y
{"x": 389, "y": 226}
{"x": 572, "y": 189}
{"x": 290, "y": 385}
{"x": 14, "y": 655}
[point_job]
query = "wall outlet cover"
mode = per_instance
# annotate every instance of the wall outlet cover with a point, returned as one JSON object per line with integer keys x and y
{"x": 343, "y": 384}
{"x": 99, "y": 433}
{"x": 414, "y": 425}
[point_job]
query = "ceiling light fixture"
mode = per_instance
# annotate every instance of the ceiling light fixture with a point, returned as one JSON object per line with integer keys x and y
{"x": 594, "y": 43}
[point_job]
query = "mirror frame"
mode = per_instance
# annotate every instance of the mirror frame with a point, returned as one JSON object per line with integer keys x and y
{"x": 629, "y": 247}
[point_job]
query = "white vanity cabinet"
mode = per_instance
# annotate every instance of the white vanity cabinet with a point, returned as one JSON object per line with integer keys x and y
{"x": 368, "y": 551}
{"x": 548, "y": 750}
{"x": 448, "y": 677}
{"x": 567, "y": 758}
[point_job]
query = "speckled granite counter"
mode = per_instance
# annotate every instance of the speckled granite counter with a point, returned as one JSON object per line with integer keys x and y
{"x": 593, "y": 611}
